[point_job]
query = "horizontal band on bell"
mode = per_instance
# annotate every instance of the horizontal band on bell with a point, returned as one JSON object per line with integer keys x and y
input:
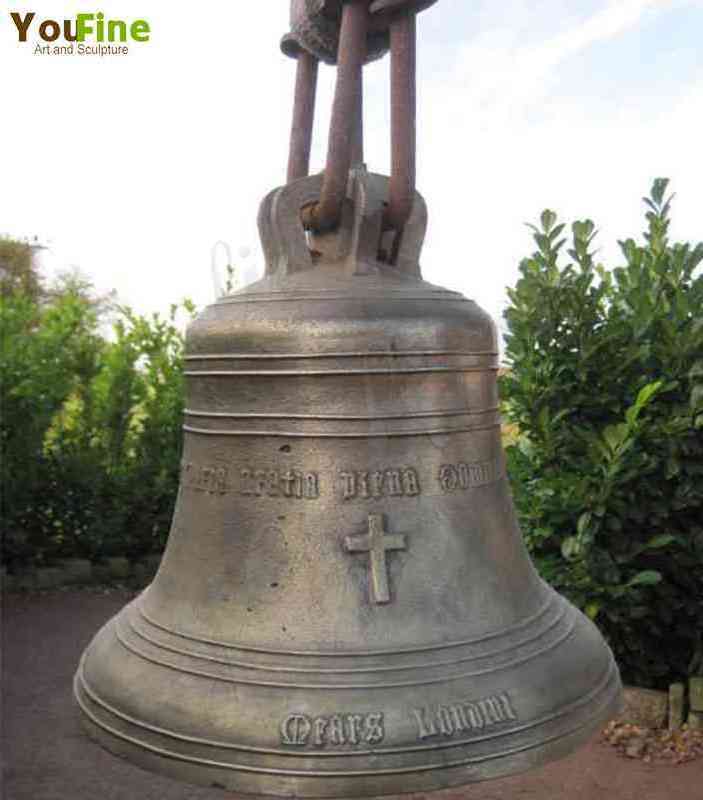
{"x": 81, "y": 687}
{"x": 443, "y": 679}
{"x": 318, "y": 373}
{"x": 388, "y": 295}
{"x": 352, "y": 426}
{"x": 355, "y": 654}
{"x": 457, "y": 412}
{"x": 339, "y": 434}
{"x": 356, "y": 354}
{"x": 355, "y": 669}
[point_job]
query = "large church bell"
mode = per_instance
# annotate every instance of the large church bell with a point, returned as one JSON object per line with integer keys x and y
{"x": 345, "y": 606}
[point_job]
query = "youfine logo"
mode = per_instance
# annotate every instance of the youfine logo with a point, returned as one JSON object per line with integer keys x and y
{"x": 83, "y": 35}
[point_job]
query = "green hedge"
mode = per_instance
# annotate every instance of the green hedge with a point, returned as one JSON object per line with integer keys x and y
{"x": 606, "y": 387}
{"x": 90, "y": 428}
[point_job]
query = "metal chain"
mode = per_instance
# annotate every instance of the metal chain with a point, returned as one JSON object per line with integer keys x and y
{"x": 345, "y": 146}
{"x": 403, "y": 121}
{"x": 303, "y": 116}
{"x": 345, "y": 115}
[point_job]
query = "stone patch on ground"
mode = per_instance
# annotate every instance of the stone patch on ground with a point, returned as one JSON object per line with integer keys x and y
{"x": 654, "y": 746}
{"x": 644, "y": 707}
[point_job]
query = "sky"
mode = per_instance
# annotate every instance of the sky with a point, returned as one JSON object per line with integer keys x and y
{"x": 131, "y": 168}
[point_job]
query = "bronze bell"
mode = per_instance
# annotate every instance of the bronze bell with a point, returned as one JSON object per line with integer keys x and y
{"x": 345, "y": 606}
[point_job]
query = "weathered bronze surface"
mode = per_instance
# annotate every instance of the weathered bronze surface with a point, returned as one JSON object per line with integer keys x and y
{"x": 345, "y": 606}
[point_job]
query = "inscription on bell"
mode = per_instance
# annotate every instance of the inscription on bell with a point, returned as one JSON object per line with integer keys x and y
{"x": 209, "y": 479}
{"x": 453, "y": 719}
{"x": 397, "y": 482}
{"x": 302, "y": 730}
{"x": 275, "y": 483}
{"x": 460, "y": 477}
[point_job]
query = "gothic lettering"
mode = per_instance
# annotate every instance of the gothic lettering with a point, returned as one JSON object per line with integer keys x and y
{"x": 338, "y": 730}
{"x": 460, "y": 477}
{"x": 395, "y": 482}
{"x": 455, "y": 718}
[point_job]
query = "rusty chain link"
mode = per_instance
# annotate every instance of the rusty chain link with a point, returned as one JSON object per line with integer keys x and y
{"x": 345, "y": 112}
{"x": 403, "y": 121}
{"x": 303, "y": 116}
{"x": 351, "y": 33}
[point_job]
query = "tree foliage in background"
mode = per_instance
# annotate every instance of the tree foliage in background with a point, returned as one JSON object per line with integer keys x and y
{"x": 90, "y": 425}
{"x": 17, "y": 272}
{"x": 606, "y": 388}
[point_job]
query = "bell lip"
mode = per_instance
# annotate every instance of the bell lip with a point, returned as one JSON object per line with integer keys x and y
{"x": 560, "y": 732}
{"x": 542, "y": 753}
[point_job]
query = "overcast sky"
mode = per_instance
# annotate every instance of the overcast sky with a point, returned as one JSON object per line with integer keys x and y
{"x": 132, "y": 167}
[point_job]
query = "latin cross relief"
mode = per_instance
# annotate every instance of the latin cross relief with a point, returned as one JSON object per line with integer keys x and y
{"x": 377, "y": 543}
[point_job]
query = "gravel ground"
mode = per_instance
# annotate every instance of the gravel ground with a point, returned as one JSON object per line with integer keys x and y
{"x": 45, "y": 756}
